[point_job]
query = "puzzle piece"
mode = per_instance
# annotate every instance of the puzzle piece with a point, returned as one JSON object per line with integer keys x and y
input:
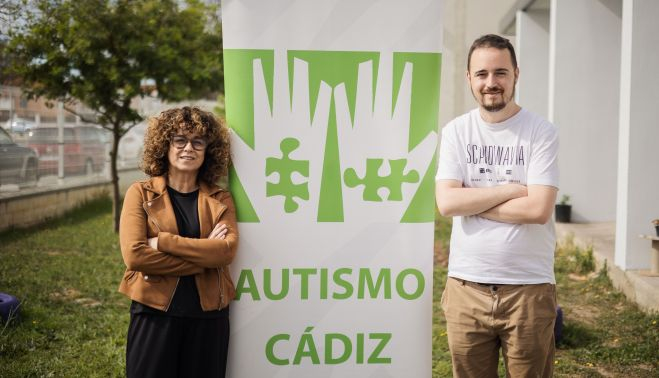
{"x": 286, "y": 166}
{"x": 372, "y": 181}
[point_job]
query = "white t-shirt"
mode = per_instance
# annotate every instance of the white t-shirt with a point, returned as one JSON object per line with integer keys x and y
{"x": 522, "y": 150}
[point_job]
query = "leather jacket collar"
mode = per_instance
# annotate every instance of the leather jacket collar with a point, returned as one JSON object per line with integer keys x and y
{"x": 163, "y": 212}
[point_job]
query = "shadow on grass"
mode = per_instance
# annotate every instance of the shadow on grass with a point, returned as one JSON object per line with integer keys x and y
{"x": 80, "y": 214}
{"x": 577, "y": 335}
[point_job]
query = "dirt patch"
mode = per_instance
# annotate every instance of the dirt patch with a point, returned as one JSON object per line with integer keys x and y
{"x": 87, "y": 302}
{"x": 74, "y": 295}
{"x": 612, "y": 343}
{"x": 582, "y": 277}
{"x": 604, "y": 372}
{"x": 582, "y": 313}
{"x": 65, "y": 294}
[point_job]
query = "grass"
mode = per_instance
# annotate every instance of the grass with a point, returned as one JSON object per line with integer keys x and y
{"x": 73, "y": 321}
{"x": 605, "y": 335}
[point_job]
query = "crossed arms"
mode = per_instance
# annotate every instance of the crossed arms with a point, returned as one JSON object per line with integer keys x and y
{"x": 172, "y": 254}
{"x": 509, "y": 203}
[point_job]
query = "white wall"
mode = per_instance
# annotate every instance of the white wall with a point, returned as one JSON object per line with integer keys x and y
{"x": 532, "y": 41}
{"x": 584, "y": 97}
{"x": 638, "y": 180}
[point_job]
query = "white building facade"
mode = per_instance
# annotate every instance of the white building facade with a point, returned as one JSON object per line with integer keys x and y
{"x": 588, "y": 67}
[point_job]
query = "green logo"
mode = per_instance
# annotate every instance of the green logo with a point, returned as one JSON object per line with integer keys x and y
{"x": 333, "y": 136}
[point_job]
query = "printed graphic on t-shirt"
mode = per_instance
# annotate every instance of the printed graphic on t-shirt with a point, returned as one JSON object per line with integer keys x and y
{"x": 495, "y": 164}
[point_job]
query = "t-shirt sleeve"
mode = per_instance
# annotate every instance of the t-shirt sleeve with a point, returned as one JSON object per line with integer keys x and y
{"x": 449, "y": 166}
{"x": 543, "y": 167}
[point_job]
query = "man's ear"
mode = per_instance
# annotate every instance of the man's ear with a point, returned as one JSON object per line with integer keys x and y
{"x": 468, "y": 77}
{"x": 516, "y": 74}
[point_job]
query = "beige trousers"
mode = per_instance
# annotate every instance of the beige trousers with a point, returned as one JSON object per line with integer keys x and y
{"x": 518, "y": 319}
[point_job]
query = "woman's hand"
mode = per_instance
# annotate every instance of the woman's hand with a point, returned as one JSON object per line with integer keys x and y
{"x": 153, "y": 242}
{"x": 219, "y": 232}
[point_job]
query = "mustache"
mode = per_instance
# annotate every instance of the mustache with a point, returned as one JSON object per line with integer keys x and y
{"x": 492, "y": 90}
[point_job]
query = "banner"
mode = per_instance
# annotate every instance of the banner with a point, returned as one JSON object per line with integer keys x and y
{"x": 334, "y": 108}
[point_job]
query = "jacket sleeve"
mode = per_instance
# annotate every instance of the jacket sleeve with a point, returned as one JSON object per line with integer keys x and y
{"x": 208, "y": 253}
{"x": 137, "y": 254}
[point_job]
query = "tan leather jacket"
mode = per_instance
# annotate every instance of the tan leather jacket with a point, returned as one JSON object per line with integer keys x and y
{"x": 152, "y": 275}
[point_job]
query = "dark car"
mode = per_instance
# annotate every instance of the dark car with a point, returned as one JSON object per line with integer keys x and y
{"x": 84, "y": 149}
{"x": 18, "y": 165}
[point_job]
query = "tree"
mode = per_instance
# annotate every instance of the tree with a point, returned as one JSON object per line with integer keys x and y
{"x": 8, "y": 9}
{"x": 104, "y": 53}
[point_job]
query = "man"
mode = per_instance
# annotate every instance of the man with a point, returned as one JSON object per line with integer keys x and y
{"x": 498, "y": 179}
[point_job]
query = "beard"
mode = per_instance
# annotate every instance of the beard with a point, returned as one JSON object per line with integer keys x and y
{"x": 498, "y": 103}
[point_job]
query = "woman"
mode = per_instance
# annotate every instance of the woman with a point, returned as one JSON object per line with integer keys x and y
{"x": 178, "y": 235}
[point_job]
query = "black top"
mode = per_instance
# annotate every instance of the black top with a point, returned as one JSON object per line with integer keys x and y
{"x": 185, "y": 302}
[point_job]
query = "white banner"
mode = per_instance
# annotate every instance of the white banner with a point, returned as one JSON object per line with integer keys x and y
{"x": 334, "y": 107}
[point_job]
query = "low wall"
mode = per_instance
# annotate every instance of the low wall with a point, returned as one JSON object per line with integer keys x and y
{"x": 34, "y": 208}
{"x": 51, "y": 199}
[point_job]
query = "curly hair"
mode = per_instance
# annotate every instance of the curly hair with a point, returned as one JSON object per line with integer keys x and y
{"x": 161, "y": 129}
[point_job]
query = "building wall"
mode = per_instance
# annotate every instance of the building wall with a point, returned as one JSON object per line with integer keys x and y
{"x": 584, "y": 95}
{"x": 15, "y": 104}
{"x": 638, "y": 180}
{"x": 532, "y": 38}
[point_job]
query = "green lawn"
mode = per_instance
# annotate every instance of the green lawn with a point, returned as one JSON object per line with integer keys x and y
{"x": 74, "y": 322}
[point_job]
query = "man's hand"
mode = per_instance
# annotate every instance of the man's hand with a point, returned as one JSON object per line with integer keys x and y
{"x": 455, "y": 200}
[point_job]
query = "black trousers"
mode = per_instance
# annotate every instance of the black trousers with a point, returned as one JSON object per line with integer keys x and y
{"x": 166, "y": 346}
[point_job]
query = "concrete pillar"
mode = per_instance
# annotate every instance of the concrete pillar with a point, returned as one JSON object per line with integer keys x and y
{"x": 638, "y": 177}
{"x": 584, "y": 72}
{"x": 532, "y": 50}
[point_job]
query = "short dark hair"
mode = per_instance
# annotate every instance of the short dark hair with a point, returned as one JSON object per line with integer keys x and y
{"x": 495, "y": 41}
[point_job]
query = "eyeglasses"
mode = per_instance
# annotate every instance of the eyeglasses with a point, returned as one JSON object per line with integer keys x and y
{"x": 198, "y": 144}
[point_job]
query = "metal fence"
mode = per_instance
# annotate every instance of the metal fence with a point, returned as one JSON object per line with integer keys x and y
{"x": 37, "y": 154}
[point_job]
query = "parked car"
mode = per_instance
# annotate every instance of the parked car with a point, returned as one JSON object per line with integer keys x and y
{"x": 18, "y": 165}
{"x": 131, "y": 146}
{"x": 19, "y": 125}
{"x": 84, "y": 149}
